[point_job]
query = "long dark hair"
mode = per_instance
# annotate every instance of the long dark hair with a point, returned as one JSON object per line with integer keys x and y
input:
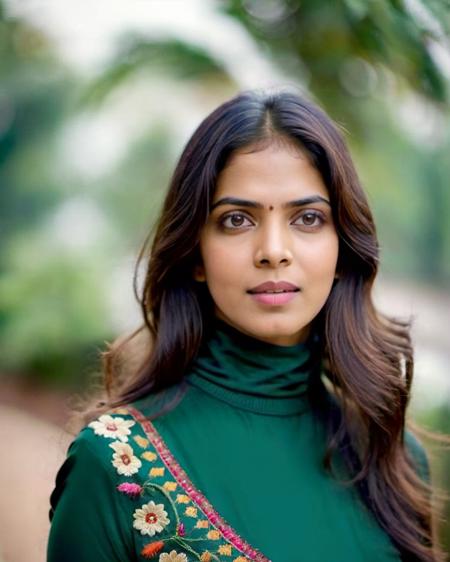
{"x": 368, "y": 357}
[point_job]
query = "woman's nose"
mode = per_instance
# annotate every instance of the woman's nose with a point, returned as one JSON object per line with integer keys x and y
{"x": 272, "y": 246}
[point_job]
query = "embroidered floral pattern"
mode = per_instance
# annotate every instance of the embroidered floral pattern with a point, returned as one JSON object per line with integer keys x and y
{"x": 124, "y": 460}
{"x": 149, "y": 456}
{"x": 182, "y": 498}
{"x": 176, "y": 512}
{"x": 114, "y": 428}
{"x": 157, "y": 471}
{"x": 191, "y": 511}
{"x": 226, "y": 533}
{"x": 213, "y": 535}
{"x": 141, "y": 441}
{"x": 130, "y": 489}
{"x": 150, "y": 519}
{"x": 173, "y": 557}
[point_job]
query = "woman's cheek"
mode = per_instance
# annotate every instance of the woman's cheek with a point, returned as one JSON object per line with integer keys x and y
{"x": 224, "y": 261}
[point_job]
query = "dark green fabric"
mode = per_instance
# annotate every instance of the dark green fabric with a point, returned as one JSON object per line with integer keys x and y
{"x": 90, "y": 520}
{"x": 246, "y": 436}
{"x": 254, "y": 375}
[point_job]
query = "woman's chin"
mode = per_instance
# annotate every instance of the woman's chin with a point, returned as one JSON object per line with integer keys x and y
{"x": 276, "y": 332}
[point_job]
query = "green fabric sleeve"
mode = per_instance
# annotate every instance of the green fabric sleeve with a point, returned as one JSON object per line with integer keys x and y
{"x": 90, "y": 519}
{"x": 418, "y": 455}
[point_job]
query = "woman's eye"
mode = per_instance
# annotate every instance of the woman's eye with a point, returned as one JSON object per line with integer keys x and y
{"x": 233, "y": 221}
{"x": 310, "y": 219}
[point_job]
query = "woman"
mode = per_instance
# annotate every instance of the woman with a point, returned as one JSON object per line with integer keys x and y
{"x": 266, "y": 420}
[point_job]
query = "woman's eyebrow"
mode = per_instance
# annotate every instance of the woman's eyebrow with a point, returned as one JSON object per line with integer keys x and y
{"x": 257, "y": 205}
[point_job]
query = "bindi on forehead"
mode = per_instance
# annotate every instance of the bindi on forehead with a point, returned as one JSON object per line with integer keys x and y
{"x": 270, "y": 208}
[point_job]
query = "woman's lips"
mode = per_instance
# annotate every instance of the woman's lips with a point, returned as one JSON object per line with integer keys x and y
{"x": 274, "y": 293}
{"x": 274, "y": 299}
{"x": 274, "y": 286}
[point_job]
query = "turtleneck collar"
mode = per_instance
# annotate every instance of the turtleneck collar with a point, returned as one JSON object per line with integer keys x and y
{"x": 253, "y": 374}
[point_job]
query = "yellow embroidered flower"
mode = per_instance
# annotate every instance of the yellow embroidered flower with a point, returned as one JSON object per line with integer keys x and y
{"x": 150, "y": 519}
{"x": 202, "y": 524}
{"x": 124, "y": 460}
{"x": 141, "y": 441}
{"x": 240, "y": 559}
{"x": 173, "y": 557}
{"x": 149, "y": 456}
{"x": 191, "y": 511}
{"x": 225, "y": 549}
{"x": 170, "y": 486}
{"x": 213, "y": 534}
{"x": 206, "y": 557}
{"x": 113, "y": 428}
{"x": 156, "y": 471}
{"x": 181, "y": 498}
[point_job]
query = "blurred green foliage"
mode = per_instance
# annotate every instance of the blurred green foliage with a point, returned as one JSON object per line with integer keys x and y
{"x": 363, "y": 61}
{"x": 340, "y": 47}
{"x": 173, "y": 57}
{"x": 37, "y": 287}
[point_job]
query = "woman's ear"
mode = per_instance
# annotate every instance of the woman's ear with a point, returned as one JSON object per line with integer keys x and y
{"x": 199, "y": 273}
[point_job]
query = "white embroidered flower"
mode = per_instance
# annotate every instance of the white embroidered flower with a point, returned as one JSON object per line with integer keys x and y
{"x": 173, "y": 557}
{"x": 124, "y": 460}
{"x": 114, "y": 428}
{"x": 150, "y": 519}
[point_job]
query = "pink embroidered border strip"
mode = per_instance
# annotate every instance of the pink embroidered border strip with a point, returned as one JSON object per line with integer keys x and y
{"x": 197, "y": 497}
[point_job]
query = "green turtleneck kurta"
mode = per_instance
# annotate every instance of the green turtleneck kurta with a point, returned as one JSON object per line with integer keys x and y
{"x": 232, "y": 472}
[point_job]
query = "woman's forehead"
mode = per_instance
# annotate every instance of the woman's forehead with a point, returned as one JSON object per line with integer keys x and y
{"x": 274, "y": 174}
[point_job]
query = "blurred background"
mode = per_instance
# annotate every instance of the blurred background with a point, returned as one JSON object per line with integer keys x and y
{"x": 97, "y": 100}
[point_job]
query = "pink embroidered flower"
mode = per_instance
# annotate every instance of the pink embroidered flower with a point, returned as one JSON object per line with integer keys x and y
{"x": 124, "y": 460}
{"x": 130, "y": 489}
{"x": 150, "y": 519}
{"x": 113, "y": 428}
{"x": 181, "y": 530}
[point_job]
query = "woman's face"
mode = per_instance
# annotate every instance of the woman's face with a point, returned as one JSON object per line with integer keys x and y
{"x": 270, "y": 221}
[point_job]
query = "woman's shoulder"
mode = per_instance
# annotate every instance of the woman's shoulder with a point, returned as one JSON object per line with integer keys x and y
{"x": 126, "y": 429}
{"x": 126, "y": 424}
{"x": 147, "y": 487}
{"x": 114, "y": 433}
{"x": 96, "y": 456}
{"x": 93, "y": 440}
{"x": 107, "y": 449}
